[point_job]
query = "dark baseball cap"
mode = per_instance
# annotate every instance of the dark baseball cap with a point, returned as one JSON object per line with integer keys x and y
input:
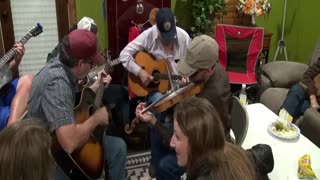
{"x": 166, "y": 24}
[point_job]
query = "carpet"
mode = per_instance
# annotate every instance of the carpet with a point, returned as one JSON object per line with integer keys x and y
{"x": 137, "y": 166}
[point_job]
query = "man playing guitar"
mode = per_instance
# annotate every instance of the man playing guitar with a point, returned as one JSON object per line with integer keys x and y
{"x": 163, "y": 41}
{"x": 14, "y": 95}
{"x": 52, "y": 99}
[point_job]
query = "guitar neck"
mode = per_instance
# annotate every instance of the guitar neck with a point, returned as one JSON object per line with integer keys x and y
{"x": 99, "y": 95}
{"x": 105, "y": 67}
{"x": 10, "y": 54}
{"x": 159, "y": 76}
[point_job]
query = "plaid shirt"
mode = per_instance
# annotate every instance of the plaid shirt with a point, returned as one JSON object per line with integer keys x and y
{"x": 52, "y": 95}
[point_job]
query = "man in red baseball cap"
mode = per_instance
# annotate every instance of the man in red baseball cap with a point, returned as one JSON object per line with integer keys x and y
{"x": 52, "y": 100}
{"x": 83, "y": 45}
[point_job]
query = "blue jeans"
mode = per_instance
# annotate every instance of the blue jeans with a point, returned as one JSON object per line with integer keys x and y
{"x": 5, "y": 103}
{"x": 296, "y": 102}
{"x": 115, "y": 157}
{"x": 164, "y": 159}
{"x": 152, "y": 97}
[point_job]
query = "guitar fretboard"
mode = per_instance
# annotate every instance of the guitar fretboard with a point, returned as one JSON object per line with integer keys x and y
{"x": 106, "y": 66}
{"x": 7, "y": 57}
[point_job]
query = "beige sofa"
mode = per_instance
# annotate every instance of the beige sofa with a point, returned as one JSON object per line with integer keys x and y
{"x": 276, "y": 80}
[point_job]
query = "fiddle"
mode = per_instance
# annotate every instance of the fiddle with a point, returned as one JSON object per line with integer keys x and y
{"x": 189, "y": 90}
{"x": 167, "y": 101}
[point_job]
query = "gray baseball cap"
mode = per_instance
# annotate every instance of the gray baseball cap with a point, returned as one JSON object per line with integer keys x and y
{"x": 202, "y": 53}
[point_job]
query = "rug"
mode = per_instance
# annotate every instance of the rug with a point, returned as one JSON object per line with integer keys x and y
{"x": 137, "y": 166}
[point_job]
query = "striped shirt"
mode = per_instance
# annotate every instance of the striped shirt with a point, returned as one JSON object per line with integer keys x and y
{"x": 52, "y": 95}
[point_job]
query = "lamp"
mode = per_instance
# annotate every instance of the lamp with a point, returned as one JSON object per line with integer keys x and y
{"x": 282, "y": 43}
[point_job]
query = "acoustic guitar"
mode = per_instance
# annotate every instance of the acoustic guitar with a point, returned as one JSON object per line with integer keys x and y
{"x": 5, "y": 72}
{"x": 85, "y": 162}
{"x": 156, "y": 68}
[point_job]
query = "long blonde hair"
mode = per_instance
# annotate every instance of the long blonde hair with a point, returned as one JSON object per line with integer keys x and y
{"x": 25, "y": 152}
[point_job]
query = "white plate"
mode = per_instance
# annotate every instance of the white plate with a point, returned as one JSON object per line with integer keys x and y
{"x": 284, "y": 137}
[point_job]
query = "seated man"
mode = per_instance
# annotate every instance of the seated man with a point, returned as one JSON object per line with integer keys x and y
{"x": 200, "y": 65}
{"x": 116, "y": 95}
{"x": 14, "y": 95}
{"x": 52, "y": 99}
{"x": 304, "y": 94}
{"x": 164, "y": 40}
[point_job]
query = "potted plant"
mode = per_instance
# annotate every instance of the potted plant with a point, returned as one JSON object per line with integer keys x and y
{"x": 204, "y": 12}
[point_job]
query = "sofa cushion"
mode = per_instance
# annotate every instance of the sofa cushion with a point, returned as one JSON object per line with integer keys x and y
{"x": 273, "y": 98}
{"x": 284, "y": 73}
{"x": 310, "y": 125}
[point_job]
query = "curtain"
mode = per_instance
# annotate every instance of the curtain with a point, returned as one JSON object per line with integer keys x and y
{"x": 25, "y": 15}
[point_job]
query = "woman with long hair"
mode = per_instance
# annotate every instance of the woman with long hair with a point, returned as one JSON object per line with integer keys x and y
{"x": 201, "y": 147}
{"x": 25, "y": 152}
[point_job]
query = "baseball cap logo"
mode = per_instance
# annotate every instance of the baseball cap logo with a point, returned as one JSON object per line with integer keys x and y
{"x": 167, "y": 25}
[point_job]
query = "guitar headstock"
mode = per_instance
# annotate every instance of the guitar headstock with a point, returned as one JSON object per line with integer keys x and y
{"x": 36, "y": 30}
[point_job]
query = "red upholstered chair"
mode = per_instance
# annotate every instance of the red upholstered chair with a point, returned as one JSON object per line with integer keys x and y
{"x": 239, "y": 49}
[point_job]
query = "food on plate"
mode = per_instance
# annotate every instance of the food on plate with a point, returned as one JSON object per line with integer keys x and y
{"x": 283, "y": 130}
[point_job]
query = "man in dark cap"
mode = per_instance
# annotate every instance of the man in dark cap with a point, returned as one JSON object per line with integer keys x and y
{"x": 164, "y": 40}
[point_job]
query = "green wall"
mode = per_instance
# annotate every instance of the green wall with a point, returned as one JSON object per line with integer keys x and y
{"x": 302, "y": 27}
{"x": 94, "y": 10}
{"x": 302, "y": 24}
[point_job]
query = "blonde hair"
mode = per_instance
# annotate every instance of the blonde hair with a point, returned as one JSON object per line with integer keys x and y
{"x": 25, "y": 152}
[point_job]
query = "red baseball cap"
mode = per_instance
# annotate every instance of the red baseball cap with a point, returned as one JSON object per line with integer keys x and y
{"x": 83, "y": 45}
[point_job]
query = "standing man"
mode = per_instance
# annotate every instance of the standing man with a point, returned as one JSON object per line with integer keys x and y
{"x": 52, "y": 99}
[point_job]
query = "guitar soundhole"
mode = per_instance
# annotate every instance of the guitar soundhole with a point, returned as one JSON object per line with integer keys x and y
{"x": 156, "y": 80}
{"x": 156, "y": 77}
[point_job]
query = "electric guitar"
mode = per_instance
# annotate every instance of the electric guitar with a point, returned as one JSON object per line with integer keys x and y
{"x": 5, "y": 72}
{"x": 86, "y": 162}
{"x": 156, "y": 68}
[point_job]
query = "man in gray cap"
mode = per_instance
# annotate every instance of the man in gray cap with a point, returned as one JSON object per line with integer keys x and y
{"x": 200, "y": 65}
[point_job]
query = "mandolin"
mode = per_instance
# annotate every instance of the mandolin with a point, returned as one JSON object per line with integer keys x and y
{"x": 156, "y": 68}
{"x": 5, "y": 72}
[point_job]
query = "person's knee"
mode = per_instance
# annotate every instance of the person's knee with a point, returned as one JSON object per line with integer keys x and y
{"x": 169, "y": 169}
{"x": 122, "y": 147}
{"x": 25, "y": 81}
{"x": 167, "y": 164}
{"x": 297, "y": 89}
